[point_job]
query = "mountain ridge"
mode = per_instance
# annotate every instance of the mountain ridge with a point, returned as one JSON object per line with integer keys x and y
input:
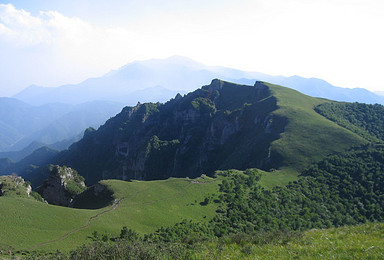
{"x": 219, "y": 126}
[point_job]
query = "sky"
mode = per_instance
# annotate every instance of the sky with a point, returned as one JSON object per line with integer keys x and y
{"x": 52, "y": 43}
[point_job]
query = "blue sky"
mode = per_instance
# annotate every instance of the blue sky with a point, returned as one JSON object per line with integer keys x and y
{"x": 51, "y": 43}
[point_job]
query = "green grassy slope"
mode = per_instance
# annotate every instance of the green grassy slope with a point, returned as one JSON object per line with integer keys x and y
{"x": 26, "y": 224}
{"x": 308, "y": 136}
{"x": 281, "y": 177}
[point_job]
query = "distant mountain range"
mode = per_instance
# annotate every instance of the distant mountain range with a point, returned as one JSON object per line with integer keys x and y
{"x": 24, "y": 127}
{"x": 159, "y": 80}
{"x": 57, "y": 117}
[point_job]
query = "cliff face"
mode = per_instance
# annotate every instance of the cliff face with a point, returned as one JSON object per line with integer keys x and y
{"x": 219, "y": 126}
{"x": 62, "y": 185}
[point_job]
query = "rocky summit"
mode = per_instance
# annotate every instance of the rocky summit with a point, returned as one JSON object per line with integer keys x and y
{"x": 220, "y": 126}
{"x": 62, "y": 186}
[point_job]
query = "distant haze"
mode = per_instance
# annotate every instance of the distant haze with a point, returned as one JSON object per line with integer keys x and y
{"x": 161, "y": 79}
{"x": 54, "y": 43}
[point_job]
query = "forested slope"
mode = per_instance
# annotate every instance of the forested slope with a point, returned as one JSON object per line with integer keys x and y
{"x": 363, "y": 119}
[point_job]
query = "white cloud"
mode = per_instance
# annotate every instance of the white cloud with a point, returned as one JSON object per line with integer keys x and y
{"x": 53, "y": 49}
{"x": 71, "y": 36}
{"x": 337, "y": 40}
{"x": 20, "y": 28}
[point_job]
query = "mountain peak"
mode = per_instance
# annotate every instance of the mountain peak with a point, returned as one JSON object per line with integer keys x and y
{"x": 120, "y": 85}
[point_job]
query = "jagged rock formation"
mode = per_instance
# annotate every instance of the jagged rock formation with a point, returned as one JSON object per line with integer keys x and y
{"x": 12, "y": 184}
{"x": 62, "y": 186}
{"x": 220, "y": 126}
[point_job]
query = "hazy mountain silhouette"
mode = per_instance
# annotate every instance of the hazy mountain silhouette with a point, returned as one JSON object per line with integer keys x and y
{"x": 159, "y": 79}
{"x": 24, "y": 127}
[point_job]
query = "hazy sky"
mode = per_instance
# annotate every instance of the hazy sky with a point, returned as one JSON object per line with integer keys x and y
{"x": 52, "y": 42}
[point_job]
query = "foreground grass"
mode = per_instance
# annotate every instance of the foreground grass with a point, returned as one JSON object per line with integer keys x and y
{"x": 349, "y": 242}
{"x": 26, "y": 222}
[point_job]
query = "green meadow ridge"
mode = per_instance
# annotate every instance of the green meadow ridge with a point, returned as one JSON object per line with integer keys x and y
{"x": 220, "y": 126}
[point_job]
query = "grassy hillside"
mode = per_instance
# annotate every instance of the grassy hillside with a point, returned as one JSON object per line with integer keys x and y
{"x": 308, "y": 136}
{"x": 27, "y": 224}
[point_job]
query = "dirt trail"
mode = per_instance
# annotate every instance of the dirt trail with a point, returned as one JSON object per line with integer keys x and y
{"x": 115, "y": 206}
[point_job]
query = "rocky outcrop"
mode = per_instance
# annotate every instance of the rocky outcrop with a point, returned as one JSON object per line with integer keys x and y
{"x": 62, "y": 186}
{"x": 14, "y": 185}
{"x": 220, "y": 126}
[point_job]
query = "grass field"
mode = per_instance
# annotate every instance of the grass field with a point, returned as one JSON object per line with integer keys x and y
{"x": 349, "y": 242}
{"x": 279, "y": 177}
{"x": 27, "y": 224}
